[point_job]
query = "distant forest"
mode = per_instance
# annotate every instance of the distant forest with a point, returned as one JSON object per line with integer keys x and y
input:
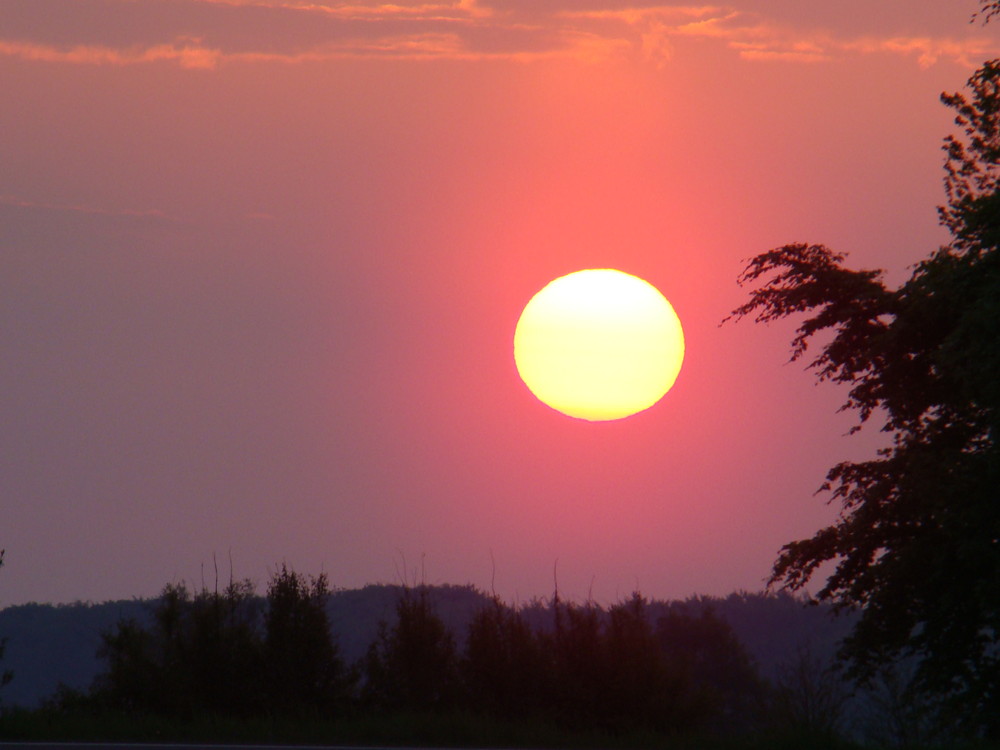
{"x": 732, "y": 666}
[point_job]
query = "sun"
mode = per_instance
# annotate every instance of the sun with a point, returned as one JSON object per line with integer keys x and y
{"x": 599, "y": 344}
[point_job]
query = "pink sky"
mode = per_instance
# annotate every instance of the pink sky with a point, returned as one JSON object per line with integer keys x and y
{"x": 261, "y": 262}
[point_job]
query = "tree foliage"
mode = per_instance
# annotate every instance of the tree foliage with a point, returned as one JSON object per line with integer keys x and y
{"x": 412, "y": 665}
{"x": 810, "y": 695}
{"x": 199, "y": 657}
{"x": 227, "y": 653}
{"x": 303, "y": 670}
{"x": 633, "y": 666}
{"x": 724, "y": 685}
{"x": 645, "y": 687}
{"x": 5, "y": 674}
{"x": 917, "y": 543}
{"x": 610, "y": 670}
{"x": 503, "y": 668}
{"x": 989, "y": 9}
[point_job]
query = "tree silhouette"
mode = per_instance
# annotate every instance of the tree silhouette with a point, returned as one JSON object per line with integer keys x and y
{"x": 133, "y": 679}
{"x": 722, "y": 685}
{"x": 577, "y": 665}
{"x": 609, "y": 670}
{"x": 989, "y": 9}
{"x": 303, "y": 669}
{"x": 227, "y": 653}
{"x": 224, "y": 651}
{"x": 917, "y": 544}
{"x": 645, "y": 688}
{"x": 5, "y": 675}
{"x": 810, "y": 695}
{"x": 200, "y": 657}
{"x": 413, "y": 665}
{"x": 503, "y": 666}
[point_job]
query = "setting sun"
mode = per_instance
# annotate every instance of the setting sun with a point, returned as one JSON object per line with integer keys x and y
{"x": 599, "y": 345}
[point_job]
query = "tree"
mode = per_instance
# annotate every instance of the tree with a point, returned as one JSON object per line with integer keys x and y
{"x": 5, "y": 675}
{"x": 502, "y": 668}
{"x": 228, "y": 653}
{"x": 895, "y": 717}
{"x": 917, "y": 543}
{"x": 990, "y": 8}
{"x": 223, "y": 651}
{"x": 413, "y": 665}
{"x": 810, "y": 695}
{"x": 578, "y": 664}
{"x": 302, "y": 665}
{"x": 201, "y": 656}
{"x": 646, "y": 687}
{"x": 133, "y": 679}
{"x": 723, "y": 686}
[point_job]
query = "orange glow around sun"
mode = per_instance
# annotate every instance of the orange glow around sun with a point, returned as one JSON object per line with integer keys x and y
{"x": 599, "y": 345}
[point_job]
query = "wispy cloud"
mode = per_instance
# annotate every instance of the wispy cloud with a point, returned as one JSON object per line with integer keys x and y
{"x": 406, "y": 47}
{"x": 929, "y": 50}
{"x": 17, "y": 202}
{"x": 466, "y": 7}
{"x": 186, "y": 55}
{"x": 755, "y": 37}
{"x": 204, "y": 34}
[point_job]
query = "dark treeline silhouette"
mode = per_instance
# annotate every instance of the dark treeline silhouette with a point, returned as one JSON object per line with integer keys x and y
{"x": 49, "y": 644}
{"x": 5, "y": 674}
{"x": 614, "y": 670}
{"x": 225, "y": 653}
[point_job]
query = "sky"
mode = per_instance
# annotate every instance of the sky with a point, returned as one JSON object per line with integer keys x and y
{"x": 261, "y": 263}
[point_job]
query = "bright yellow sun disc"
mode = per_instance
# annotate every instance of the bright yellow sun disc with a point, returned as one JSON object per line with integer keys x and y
{"x": 599, "y": 344}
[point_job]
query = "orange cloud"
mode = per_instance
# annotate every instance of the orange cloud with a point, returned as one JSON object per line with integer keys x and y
{"x": 755, "y": 38}
{"x": 411, "y": 47}
{"x": 292, "y": 31}
{"x": 459, "y": 9}
{"x": 967, "y": 52}
{"x": 186, "y": 56}
{"x": 638, "y": 15}
{"x": 761, "y": 52}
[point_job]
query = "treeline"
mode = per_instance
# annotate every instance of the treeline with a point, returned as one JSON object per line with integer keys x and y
{"x": 613, "y": 670}
{"x": 228, "y": 653}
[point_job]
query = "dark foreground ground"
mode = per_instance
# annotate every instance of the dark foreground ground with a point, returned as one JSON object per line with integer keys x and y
{"x": 23, "y": 730}
{"x": 168, "y": 746}
{"x": 36, "y": 731}
{"x": 185, "y": 746}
